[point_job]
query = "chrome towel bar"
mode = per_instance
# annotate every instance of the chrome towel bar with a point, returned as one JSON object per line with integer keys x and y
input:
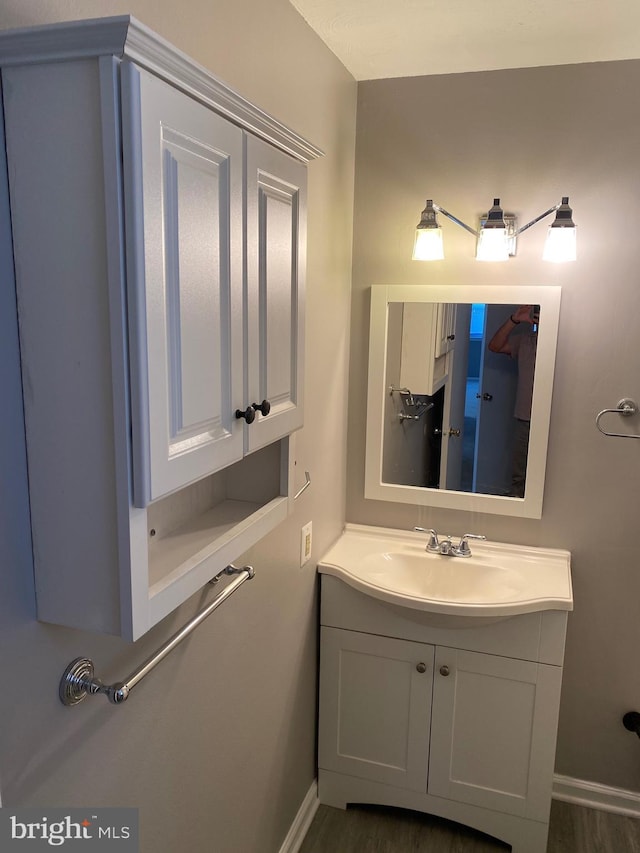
{"x": 79, "y": 681}
{"x": 626, "y": 407}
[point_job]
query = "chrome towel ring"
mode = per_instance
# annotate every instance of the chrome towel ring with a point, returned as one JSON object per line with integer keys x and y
{"x": 626, "y": 407}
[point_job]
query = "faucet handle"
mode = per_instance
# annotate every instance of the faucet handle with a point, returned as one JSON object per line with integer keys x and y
{"x": 463, "y": 549}
{"x": 432, "y": 544}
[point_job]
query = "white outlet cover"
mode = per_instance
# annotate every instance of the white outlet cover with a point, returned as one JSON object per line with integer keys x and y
{"x": 305, "y": 543}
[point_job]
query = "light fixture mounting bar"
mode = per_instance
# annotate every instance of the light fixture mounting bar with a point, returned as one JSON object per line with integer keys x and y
{"x": 538, "y": 218}
{"x": 455, "y": 219}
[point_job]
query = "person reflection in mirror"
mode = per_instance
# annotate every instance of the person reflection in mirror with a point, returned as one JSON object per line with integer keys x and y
{"x": 521, "y": 346}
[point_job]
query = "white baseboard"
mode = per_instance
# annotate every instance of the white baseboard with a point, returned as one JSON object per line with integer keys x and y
{"x": 302, "y": 821}
{"x": 596, "y": 796}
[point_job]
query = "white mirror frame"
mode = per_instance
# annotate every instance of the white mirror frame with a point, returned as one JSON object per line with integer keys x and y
{"x": 531, "y": 505}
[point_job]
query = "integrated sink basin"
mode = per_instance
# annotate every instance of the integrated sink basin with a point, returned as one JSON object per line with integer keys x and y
{"x": 496, "y": 582}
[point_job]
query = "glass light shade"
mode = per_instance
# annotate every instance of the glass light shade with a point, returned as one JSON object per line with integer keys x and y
{"x": 428, "y": 244}
{"x": 560, "y": 245}
{"x": 493, "y": 245}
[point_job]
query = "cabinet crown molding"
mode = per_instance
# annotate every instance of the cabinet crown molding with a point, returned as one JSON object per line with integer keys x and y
{"x": 126, "y": 38}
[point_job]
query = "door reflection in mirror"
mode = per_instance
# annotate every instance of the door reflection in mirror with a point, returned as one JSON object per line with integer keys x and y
{"x": 517, "y": 338}
{"x": 475, "y": 437}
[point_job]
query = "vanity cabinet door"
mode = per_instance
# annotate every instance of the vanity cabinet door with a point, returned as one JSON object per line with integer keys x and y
{"x": 493, "y": 732}
{"x": 375, "y": 706}
{"x": 276, "y": 247}
{"x": 183, "y": 217}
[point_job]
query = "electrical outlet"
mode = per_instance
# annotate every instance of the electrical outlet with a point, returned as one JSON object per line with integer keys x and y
{"x": 305, "y": 543}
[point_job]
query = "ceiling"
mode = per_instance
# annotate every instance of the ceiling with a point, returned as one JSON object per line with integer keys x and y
{"x": 407, "y": 38}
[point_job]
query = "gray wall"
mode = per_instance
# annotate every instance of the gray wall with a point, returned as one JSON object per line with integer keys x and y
{"x": 217, "y": 746}
{"x": 530, "y": 136}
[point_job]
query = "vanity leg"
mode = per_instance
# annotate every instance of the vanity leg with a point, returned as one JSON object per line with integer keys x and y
{"x": 532, "y": 839}
{"x": 329, "y": 793}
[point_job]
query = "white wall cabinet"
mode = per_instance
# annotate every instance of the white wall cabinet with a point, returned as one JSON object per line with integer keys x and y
{"x": 159, "y": 234}
{"x": 463, "y": 726}
{"x": 186, "y": 188}
{"x": 428, "y": 335}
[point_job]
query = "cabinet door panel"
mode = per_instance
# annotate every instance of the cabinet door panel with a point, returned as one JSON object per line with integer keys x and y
{"x": 423, "y": 365}
{"x": 276, "y": 236}
{"x": 375, "y": 707}
{"x": 445, "y": 328}
{"x": 493, "y": 732}
{"x": 183, "y": 193}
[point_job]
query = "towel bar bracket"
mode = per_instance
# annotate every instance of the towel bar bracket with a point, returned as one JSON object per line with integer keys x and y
{"x": 79, "y": 680}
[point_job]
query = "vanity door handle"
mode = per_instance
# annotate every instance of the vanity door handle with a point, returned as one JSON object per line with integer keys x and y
{"x": 444, "y": 670}
{"x": 421, "y": 667}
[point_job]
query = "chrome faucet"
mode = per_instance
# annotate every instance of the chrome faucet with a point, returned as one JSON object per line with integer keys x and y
{"x": 445, "y": 546}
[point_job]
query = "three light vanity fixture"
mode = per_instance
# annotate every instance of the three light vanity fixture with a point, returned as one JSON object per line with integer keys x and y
{"x": 496, "y": 238}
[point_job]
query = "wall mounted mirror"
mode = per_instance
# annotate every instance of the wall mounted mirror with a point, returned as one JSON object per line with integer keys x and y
{"x": 459, "y": 396}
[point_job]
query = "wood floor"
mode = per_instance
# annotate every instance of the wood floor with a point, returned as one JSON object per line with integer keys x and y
{"x": 377, "y": 829}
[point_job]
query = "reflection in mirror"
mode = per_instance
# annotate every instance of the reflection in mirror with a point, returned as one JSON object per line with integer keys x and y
{"x": 450, "y": 372}
{"x": 459, "y": 396}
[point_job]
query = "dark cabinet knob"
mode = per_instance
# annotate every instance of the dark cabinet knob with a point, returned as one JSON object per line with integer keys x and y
{"x": 421, "y": 667}
{"x": 264, "y": 407}
{"x": 444, "y": 670}
{"x": 249, "y": 414}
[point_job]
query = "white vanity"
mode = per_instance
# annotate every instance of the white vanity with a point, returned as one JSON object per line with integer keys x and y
{"x": 440, "y": 679}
